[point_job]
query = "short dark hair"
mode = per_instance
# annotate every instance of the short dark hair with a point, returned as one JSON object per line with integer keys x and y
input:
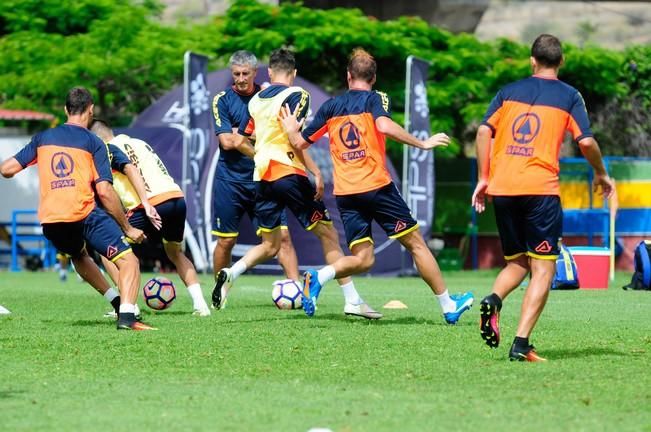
{"x": 547, "y": 50}
{"x": 99, "y": 126}
{"x": 282, "y": 60}
{"x": 362, "y": 66}
{"x": 78, "y": 100}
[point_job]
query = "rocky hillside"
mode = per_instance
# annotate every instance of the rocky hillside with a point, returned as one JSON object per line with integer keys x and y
{"x": 609, "y": 24}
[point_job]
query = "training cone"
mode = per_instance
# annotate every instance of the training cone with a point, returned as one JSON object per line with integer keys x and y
{"x": 395, "y": 304}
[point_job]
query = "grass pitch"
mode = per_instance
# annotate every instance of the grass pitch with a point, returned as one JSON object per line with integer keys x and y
{"x": 252, "y": 367}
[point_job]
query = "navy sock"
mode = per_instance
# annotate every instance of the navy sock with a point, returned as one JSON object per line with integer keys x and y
{"x": 520, "y": 343}
{"x": 496, "y": 300}
{"x": 116, "y": 304}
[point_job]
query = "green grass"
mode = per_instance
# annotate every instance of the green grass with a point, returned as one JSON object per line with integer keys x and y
{"x": 252, "y": 367}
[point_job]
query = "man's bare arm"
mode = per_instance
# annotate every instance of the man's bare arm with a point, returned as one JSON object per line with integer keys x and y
{"x": 396, "y": 132}
{"x": 138, "y": 183}
{"x": 10, "y": 167}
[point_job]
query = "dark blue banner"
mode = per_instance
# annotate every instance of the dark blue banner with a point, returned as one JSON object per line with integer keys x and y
{"x": 198, "y": 141}
{"x": 418, "y": 173}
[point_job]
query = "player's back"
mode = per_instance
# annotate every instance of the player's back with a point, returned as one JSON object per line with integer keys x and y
{"x": 160, "y": 186}
{"x": 70, "y": 160}
{"x": 229, "y": 109}
{"x": 357, "y": 148}
{"x": 271, "y": 142}
{"x": 530, "y": 118}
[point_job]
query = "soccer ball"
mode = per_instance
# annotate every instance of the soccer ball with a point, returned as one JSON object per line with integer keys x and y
{"x": 286, "y": 294}
{"x": 159, "y": 293}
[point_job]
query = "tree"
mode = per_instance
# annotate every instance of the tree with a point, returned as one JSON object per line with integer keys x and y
{"x": 114, "y": 48}
{"x": 120, "y": 51}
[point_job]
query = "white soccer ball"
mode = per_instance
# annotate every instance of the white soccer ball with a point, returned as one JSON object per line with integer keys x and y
{"x": 286, "y": 294}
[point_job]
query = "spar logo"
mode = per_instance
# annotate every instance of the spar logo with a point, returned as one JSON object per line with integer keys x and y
{"x": 62, "y": 167}
{"x": 349, "y": 135}
{"x": 524, "y": 130}
{"x": 352, "y": 140}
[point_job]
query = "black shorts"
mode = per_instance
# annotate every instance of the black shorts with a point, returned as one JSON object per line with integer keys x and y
{"x": 294, "y": 192}
{"x": 230, "y": 201}
{"x": 99, "y": 230}
{"x": 172, "y": 213}
{"x": 529, "y": 224}
{"x": 384, "y": 205}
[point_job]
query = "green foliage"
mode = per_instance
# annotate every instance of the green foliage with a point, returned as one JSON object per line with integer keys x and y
{"x": 128, "y": 59}
{"x": 114, "y": 48}
{"x": 464, "y": 75}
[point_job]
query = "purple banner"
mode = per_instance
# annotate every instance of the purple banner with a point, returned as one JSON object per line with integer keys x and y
{"x": 418, "y": 175}
{"x": 198, "y": 139}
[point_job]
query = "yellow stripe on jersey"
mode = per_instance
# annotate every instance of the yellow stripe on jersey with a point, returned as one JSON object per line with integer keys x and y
{"x": 215, "y": 108}
{"x": 385, "y": 100}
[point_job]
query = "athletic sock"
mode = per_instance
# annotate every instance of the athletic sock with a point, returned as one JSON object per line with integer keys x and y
{"x": 116, "y": 304}
{"x": 197, "y": 296}
{"x": 521, "y": 344}
{"x": 495, "y": 300}
{"x": 113, "y": 297}
{"x": 326, "y": 274}
{"x": 126, "y": 319}
{"x": 350, "y": 293}
{"x": 127, "y": 315}
{"x": 127, "y": 308}
{"x": 447, "y": 304}
{"x": 237, "y": 269}
{"x": 111, "y": 294}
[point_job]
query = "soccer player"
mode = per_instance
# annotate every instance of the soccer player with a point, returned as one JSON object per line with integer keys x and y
{"x": 138, "y": 172}
{"x": 234, "y": 188}
{"x": 280, "y": 172}
{"x": 357, "y": 123}
{"x": 528, "y": 120}
{"x": 73, "y": 170}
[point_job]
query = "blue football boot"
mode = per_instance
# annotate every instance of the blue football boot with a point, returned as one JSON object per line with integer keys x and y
{"x": 463, "y": 302}
{"x": 311, "y": 290}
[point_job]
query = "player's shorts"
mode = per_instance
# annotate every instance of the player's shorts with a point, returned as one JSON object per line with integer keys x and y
{"x": 384, "y": 205}
{"x": 231, "y": 200}
{"x": 99, "y": 230}
{"x": 172, "y": 213}
{"x": 529, "y": 224}
{"x": 294, "y": 192}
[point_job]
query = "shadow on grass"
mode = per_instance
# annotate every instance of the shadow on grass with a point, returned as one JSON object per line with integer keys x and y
{"x": 92, "y": 323}
{"x": 152, "y": 314}
{"x": 559, "y": 354}
{"x": 8, "y": 394}
{"x": 298, "y": 315}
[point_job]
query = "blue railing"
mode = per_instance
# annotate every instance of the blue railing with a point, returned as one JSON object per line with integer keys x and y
{"x": 44, "y": 248}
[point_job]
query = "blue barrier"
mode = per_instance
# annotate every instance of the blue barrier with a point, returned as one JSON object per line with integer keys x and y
{"x": 45, "y": 250}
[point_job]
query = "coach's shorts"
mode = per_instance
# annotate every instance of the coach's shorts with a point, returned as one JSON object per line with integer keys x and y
{"x": 529, "y": 224}
{"x": 172, "y": 213}
{"x": 294, "y": 192}
{"x": 231, "y": 200}
{"x": 99, "y": 230}
{"x": 384, "y": 205}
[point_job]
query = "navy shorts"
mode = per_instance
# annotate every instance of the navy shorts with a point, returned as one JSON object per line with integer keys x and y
{"x": 529, "y": 224}
{"x": 231, "y": 200}
{"x": 294, "y": 192}
{"x": 384, "y": 205}
{"x": 172, "y": 213}
{"x": 99, "y": 230}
